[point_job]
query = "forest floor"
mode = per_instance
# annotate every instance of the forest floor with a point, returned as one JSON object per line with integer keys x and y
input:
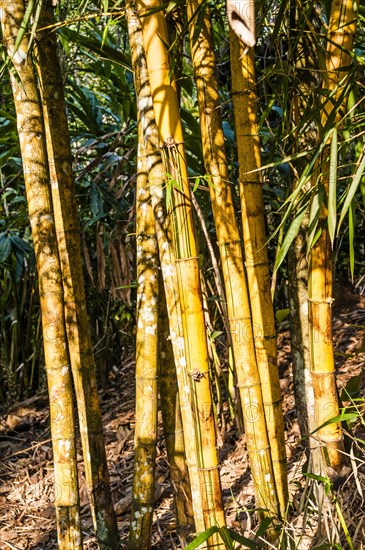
{"x": 27, "y": 519}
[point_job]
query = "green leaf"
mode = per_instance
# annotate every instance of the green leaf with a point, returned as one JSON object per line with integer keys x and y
{"x": 202, "y": 537}
{"x": 343, "y": 417}
{"x": 332, "y": 188}
{"x": 290, "y": 236}
{"x": 351, "y": 239}
{"x": 215, "y": 334}
{"x": 24, "y": 25}
{"x": 314, "y": 215}
{"x": 264, "y": 525}
{"x": 352, "y": 388}
{"x": 226, "y": 538}
{"x": 196, "y": 184}
{"x": 317, "y": 477}
{"x": 243, "y": 540}
{"x": 353, "y": 188}
{"x": 282, "y": 314}
{"x": 5, "y": 249}
{"x": 95, "y": 45}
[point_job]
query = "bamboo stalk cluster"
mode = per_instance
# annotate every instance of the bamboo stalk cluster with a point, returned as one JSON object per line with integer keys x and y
{"x": 173, "y": 362}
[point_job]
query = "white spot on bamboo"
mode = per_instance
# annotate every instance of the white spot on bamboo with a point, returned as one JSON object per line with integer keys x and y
{"x": 20, "y": 56}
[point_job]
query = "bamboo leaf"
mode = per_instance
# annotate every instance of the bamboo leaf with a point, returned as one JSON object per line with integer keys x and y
{"x": 5, "y": 249}
{"x": 264, "y": 525}
{"x": 317, "y": 477}
{"x": 351, "y": 239}
{"x": 243, "y": 540}
{"x": 291, "y": 201}
{"x": 24, "y": 25}
{"x": 226, "y": 538}
{"x": 202, "y": 537}
{"x": 196, "y": 184}
{"x": 314, "y": 214}
{"x": 290, "y": 236}
{"x": 36, "y": 17}
{"x": 343, "y": 417}
{"x": 332, "y": 188}
{"x": 353, "y": 188}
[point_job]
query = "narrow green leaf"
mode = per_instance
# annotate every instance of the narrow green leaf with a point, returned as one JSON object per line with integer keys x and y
{"x": 290, "y": 236}
{"x": 351, "y": 239}
{"x": 5, "y": 249}
{"x": 35, "y": 20}
{"x": 24, "y": 25}
{"x": 314, "y": 214}
{"x": 264, "y": 525}
{"x": 196, "y": 184}
{"x": 332, "y": 188}
{"x": 353, "y": 188}
{"x": 317, "y": 477}
{"x": 215, "y": 334}
{"x": 243, "y": 540}
{"x": 226, "y": 538}
{"x": 168, "y": 193}
{"x": 202, "y": 537}
{"x": 343, "y": 417}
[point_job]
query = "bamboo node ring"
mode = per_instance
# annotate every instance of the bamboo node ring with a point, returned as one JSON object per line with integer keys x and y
{"x": 209, "y": 469}
{"x": 328, "y": 301}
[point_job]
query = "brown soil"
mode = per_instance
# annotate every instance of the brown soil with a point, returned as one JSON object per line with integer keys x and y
{"x": 26, "y": 472}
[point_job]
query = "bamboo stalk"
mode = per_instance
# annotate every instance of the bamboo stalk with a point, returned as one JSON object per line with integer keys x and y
{"x": 340, "y": 35}
{"x": 157, "y": 181}
{"x": 168, "y": 121}
{"x": 173, "y": 432}
{"x": 257, "y": 264}
{"x": 146, "y": 360}
{"x": 229, "y": 241}
{"x": 37, "y": 183}
{"x": 300, "y": 51}
{"x": 77, "y": 324}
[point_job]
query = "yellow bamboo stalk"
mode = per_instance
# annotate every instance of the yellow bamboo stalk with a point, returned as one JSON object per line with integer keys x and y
{"x": 77, "y": 324}
{"x": 257, "y": 264}
{"x": 340, "y": 35}
{"x": 145, "y": 438}
{"x": 168, "y": 121}
{"x": 157, "y": 181}
{"x": 173, "y": 432}
{"x": 229, "y": 241}
{"x": 37, "y": 183}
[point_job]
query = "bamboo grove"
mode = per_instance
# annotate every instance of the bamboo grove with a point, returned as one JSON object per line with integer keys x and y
{"x": 177, "y": 368}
